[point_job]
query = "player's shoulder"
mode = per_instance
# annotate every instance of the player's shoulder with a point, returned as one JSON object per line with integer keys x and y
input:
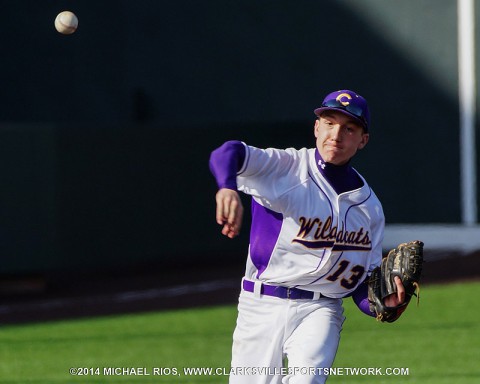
{"x": 297, "y": 154}
{"x": 301, "y": 157}
{"x": 372, "y": 198}
{"x": 293, "y": 154}
{"x": 375, "y": 205}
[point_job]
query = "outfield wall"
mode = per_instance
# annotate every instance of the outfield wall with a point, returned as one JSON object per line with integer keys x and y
{"x": 85, "y": 197}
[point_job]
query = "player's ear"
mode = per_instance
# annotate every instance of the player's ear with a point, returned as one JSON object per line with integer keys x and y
{"x": 316, "y": 127}
{"x": 363, "y": 143}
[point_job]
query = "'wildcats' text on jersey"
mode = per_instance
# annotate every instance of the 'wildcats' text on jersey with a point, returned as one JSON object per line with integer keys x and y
{"x": 325, "y": 235}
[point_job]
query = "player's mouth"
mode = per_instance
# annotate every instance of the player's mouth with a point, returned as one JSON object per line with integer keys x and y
{"x": 333, "y": 147}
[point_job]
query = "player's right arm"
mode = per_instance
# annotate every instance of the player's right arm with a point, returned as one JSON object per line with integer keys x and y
{"x": 262, "y": 173}
{"x": 225, "y": 162}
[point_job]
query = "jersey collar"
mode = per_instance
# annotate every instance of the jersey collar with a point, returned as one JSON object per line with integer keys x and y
{"x": 342, "y": 178}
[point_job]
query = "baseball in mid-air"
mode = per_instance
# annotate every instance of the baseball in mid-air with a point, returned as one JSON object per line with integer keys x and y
{"x": 66, "y": 22}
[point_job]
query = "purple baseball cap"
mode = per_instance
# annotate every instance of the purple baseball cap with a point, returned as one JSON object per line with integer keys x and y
{"x": 349, "y": 103}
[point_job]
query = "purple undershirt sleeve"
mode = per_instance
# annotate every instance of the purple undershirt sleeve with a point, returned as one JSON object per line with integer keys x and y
{"x": 226, "y": 161}
{"x": 360, "y": 297}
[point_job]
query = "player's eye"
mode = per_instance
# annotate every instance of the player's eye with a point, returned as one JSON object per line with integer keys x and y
{"x": 350, "y": 130}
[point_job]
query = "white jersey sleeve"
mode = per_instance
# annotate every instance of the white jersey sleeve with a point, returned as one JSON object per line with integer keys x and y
{"x": 268, "y": 173}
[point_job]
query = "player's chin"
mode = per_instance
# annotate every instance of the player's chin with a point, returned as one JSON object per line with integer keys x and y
{"x": 337, "y": 158}
{"x": 332, "y": 152}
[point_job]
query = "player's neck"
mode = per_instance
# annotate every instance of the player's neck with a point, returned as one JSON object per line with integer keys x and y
{"x": 329, "y": 168}
{"x": 341, "y": 177}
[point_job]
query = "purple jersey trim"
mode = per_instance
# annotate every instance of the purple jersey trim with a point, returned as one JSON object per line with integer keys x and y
{"x": 265, "y": 229}
{"x": 342, "y": 178}
{"x": 226, "y": 161}
{"x": 314, "y": 244}
{"x": 356, "y": 205}
{"x": 360, "y": 297}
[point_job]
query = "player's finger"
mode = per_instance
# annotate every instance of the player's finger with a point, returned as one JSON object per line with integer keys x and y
{"x": 400, "y": 290}
{"x": 237, "y": 224}
{"x": 226, "y": 230}
{"x": 230, "y": 231}
{"x": 226, "y": 207}
{"x": 233, "y": 208}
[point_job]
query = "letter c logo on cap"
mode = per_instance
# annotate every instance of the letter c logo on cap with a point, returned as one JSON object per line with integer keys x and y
{"x": 343, "y": 95}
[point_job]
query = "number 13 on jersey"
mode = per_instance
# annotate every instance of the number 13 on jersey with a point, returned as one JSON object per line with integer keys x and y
{"x": 350, "y": 277}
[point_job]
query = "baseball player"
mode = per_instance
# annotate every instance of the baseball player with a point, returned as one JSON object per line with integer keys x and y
{"x": 316, "y": 235}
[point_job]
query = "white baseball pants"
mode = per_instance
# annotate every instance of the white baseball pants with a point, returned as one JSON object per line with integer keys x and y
{"x": 270, "y": 330}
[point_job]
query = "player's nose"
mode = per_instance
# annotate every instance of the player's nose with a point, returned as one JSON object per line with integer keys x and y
{"x": 335, "y": 132}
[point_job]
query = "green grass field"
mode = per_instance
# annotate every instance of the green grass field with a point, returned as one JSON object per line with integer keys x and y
{"x": 438, "y": 342}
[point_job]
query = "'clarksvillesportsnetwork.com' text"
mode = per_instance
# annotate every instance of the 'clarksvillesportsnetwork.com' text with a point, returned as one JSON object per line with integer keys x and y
{"x": 240, "y": 371}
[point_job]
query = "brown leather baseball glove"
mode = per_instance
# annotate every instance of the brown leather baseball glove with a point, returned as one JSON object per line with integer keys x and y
{"x": 405, "y": 261}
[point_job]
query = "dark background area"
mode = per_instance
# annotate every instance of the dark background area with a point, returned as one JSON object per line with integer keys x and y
{"x": 105, "y": 134}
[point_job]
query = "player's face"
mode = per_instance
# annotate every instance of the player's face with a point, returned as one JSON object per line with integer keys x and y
{"x": 338, "y": 137}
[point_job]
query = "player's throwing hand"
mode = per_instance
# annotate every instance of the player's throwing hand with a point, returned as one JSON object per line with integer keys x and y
{"x": 229, "y": 212}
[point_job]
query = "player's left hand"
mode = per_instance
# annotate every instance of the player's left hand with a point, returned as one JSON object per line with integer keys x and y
{"x": 229, "y": 211}
{"x": 396, "y": 298}
{"x": 392, "y": 284}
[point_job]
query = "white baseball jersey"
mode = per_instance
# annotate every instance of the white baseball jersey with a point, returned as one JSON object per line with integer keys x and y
{"x": 303, "y": 233}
